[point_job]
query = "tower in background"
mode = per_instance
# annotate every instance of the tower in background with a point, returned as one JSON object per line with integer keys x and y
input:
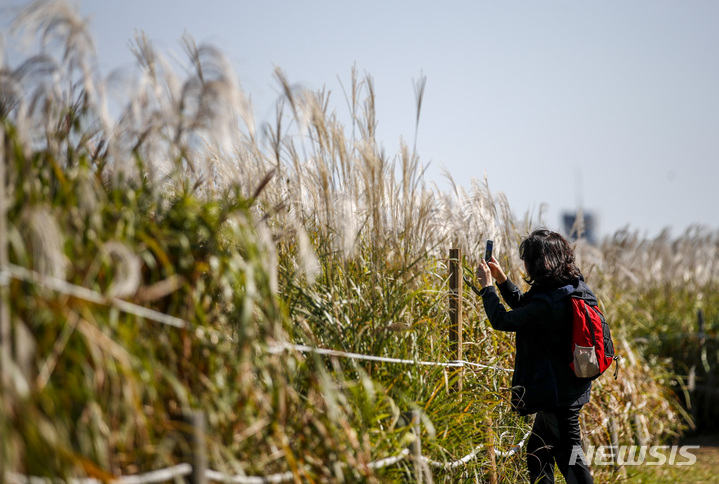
{"x": 580, "y": 224}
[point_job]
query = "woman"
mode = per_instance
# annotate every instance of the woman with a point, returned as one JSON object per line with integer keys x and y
{"x": 543, "y": 381}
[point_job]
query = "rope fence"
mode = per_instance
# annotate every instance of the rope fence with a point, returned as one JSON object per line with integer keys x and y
{"x": 358, "y": 356}
{"x": 79, "y": 292}
{"x": 68, "y": 289}
{"x": 184, "y": 470}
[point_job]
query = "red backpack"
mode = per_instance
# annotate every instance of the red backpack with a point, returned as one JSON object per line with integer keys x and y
{"x": 592, "y": 344}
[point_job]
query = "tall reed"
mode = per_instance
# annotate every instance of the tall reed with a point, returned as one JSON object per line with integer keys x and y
{"x": 303, "y": 231}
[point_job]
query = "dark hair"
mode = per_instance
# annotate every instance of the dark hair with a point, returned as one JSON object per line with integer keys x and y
{"x": 549, "y": 259}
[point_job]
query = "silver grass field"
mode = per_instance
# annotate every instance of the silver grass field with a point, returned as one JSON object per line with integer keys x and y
{"x": 155, "y": 189}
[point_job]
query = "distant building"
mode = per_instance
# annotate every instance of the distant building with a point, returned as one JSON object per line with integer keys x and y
{"x": 575, "y": 227}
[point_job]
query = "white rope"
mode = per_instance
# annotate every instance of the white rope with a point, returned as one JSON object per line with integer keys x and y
{"x": 89, "y": 295}
{"x": 515, "y": 449}
{"x": 358, "y": 356}
{"x": 288, "y": 476}
{"x": 488, "y": 367}
{"x": 162, "y": 475}
{"x": 64, "y": 287}
{"x": 388, "y": 461}
{"x": 271, "y": 479}
{"x": 451, "y": 465}
{"x": 15, "y": 478}
{"x": 182, "y": 470}
{"x": 456, "y": 463}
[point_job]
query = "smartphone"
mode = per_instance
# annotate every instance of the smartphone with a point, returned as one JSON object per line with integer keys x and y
{"x": 488, "y": 250}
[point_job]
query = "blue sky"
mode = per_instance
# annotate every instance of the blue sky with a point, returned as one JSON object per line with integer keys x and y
{"x": 618, "y": 98}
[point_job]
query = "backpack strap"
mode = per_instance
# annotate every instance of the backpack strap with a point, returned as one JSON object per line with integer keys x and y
{"x": 616, "y": 367}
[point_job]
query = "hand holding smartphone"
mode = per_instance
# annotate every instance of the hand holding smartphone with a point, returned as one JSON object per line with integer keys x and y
{"x": 496, "y": 270}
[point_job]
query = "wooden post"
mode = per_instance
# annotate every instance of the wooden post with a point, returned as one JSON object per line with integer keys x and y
{"x": 491, "y": 455}
{"x": 700, "y": 395}
{"x": 613, "y": 439}
{"x": 638, "y": 430}
{"x": 455, "y": 338}
{"x": 5, "y": 347}
{"x": 193, "y": 428}
{"x": 5, "y": 331}
{"x": 455, "y": 308}
{"x": 412, "y": 419}
{"x": 614, "y": 442}
{"x": 416, "y": 446}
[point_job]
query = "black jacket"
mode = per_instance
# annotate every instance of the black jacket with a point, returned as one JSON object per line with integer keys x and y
{"x": 542, "y": 319}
